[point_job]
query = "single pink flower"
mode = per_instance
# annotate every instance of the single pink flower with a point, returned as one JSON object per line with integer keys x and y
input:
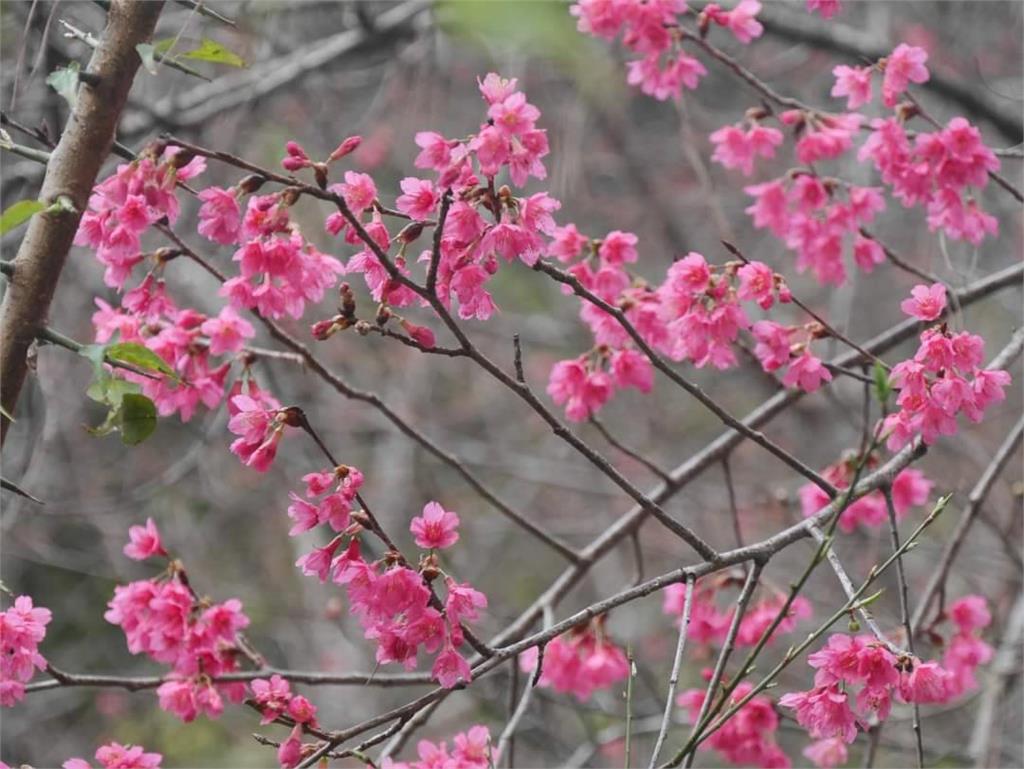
{"x": 854, "y": 83}
{"x": 145, "y": 542}
{"x": 926, "y": 302}
{"x": 419, "y": 198}
{"x": 436, "y": 528}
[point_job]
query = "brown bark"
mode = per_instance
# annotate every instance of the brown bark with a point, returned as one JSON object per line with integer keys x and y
{"x": 72, "y": 171}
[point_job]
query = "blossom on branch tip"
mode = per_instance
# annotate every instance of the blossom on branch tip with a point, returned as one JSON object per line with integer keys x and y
{"x": 436, "y": 528}
{"x": 926, "y": 302}
{"x": 144, "y": 542}
{"x": 22, "y": 629}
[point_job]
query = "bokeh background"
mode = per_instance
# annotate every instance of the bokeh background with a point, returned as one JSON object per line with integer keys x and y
{"x": 619, "y": 160}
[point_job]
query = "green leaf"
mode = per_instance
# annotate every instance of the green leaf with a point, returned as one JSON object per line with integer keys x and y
{"x": 18, "y": 213}
{"x": 212, "y": 51}
{"x": 139, "y": 356}
{"x": 883, "y": 387}
{"x": 64, "y": 81}
{"x": 147, "y": 52}
{"x": 137, "y": 418}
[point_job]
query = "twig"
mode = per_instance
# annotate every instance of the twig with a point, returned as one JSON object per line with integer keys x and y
{"x": 832, "y": 330}
{"x": 792, "y": 654}
{"x": 662, "y": 365}
{"x": 727, "y": 647}
{"x": 1005, "y": 665}
{"x": 733, "y": 509}
{"x": 673, "y": 678}
{"x": 901, "y": 578}
{"x": 632, "y": 454}
{"x": 975, "y": 500}
{"x": 54, "y": 337}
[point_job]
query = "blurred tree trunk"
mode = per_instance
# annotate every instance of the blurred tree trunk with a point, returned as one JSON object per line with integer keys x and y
{"x": 71, "y": 172}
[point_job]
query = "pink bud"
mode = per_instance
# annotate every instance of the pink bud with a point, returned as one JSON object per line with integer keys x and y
{"x": 420, "y": 334}
{"x": 346, "y": 147}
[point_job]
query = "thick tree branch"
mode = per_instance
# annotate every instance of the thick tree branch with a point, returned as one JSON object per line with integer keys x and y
{"x": 71, "y": 172}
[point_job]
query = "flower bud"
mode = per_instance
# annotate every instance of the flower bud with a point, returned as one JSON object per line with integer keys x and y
{"x": 346, "y": 147}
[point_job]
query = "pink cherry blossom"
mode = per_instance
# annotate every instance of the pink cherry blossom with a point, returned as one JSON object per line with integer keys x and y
{"x": 22, "y": 629}
{"x": 807, "y": 372}
{"x": 114, "y": 755}
{"x": 824, "y": 712}
{"x": 618, "y": 248}
{"x": 757, "y": 284}
{"x": 227, "y": 332}
{"x": 436, "y": 528}
{"x": 450, "y": 668}
{"x": 969, "y": 613}
{"x": 926, "y": 302}
{"x": 219, "y": 216}
{"x": 827, "y": 753}
{"x": 903, "y": 66}
{"x": 854, "y": 83}
{"x": 145, "y": 542}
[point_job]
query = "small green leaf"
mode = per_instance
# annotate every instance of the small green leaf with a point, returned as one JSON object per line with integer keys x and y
{"x": 212, "y": 51}
{"x": 64, "y": 81}
{"x": 147, "y": 52}
{"x": 137, "y": 418}
{"x": 883, "y": 387}
{"x": 18, "y": 213}
{"x": 139, "y": 356}
{"x": 865, "y": 602}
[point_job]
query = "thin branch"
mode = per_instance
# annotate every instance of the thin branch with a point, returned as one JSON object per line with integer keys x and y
{"x": 662, "y": 365}
{"x": 673, "y": 679}
{"x": 975, "y": 500}
{"x": 742, "y": 601}
{"x": 632, "y": 454}
{"x": 901, "y": 578}
{"x": 62, "y": 679}
{"x": 832, "y": 330}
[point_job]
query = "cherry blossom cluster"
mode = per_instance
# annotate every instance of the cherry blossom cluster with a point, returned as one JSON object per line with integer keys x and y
{"x": 650, "y": 29}
{"x": 258, "y": 420}
{"x": 126, "y": 204}
{"x": 965, "y": 651}
{"x": 748, "y": 737}
{"x": 274, "y": 699}
{"x": 580, "y": 662}
{"x": 831, "y": 714}
{"x": 280, "y": 271}
{"x": 114, "y": 755}
{"x": 22, "y": 628}
{"x": 395, "y": 604}
{"x": 819, "y": 220}
{"x": 472, "y": 750}
{"x": 696, "y": 314}
{"x": 942, "y": 380}
{"x": 910, "y": 488}
{"x": 709, "y": 624}
{"x": 937, "y": 172}
{"x": 191, "y": 343}
{"x": 165, "y": 619}
{"x": 472, "y": 248}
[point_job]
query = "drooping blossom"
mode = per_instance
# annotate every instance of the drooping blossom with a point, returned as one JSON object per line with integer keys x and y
{"x": 22, "y": 629}
{"x": 144, "y": 542}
